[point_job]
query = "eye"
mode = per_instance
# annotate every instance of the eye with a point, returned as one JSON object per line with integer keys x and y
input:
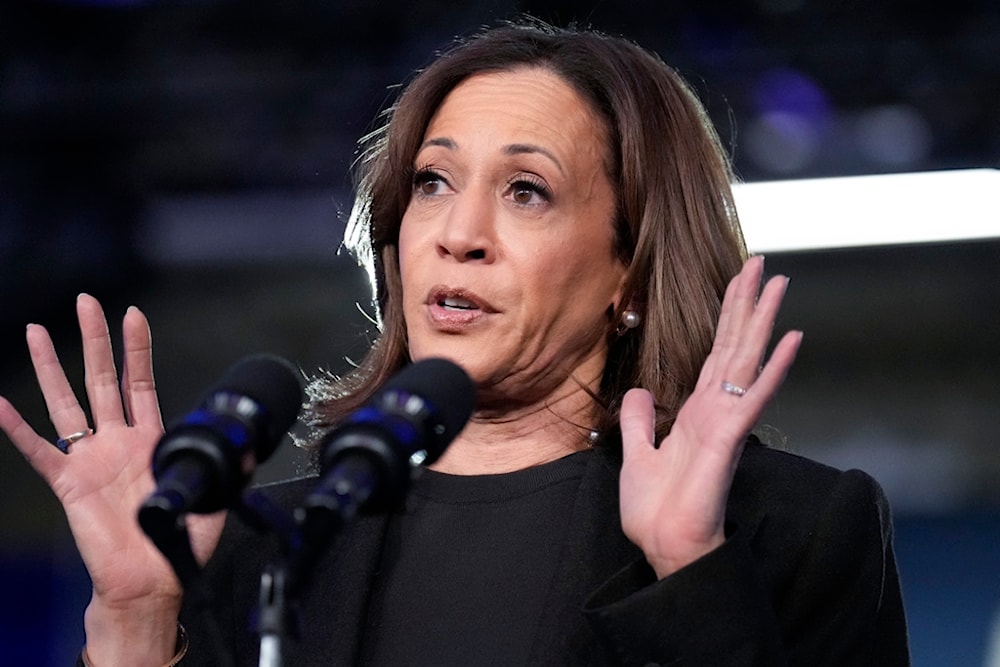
{"x": 528, "y": 191}
{"x": 428, "y": 183}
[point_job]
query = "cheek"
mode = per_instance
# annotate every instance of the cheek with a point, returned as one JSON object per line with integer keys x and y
{"x": 407, "y": 249}
{"x": 590, "y": 289}
{"x": 404, "y": 244}
{"x": 571, "y": 291}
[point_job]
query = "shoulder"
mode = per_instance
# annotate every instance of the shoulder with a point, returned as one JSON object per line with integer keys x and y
{"x": 789, "y": 506}
{"x": 774, "y": 479}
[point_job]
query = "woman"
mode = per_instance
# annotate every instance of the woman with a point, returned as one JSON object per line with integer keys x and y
{"x": 551, "y": 210}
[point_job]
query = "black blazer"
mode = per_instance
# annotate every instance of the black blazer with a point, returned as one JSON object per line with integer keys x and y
{"x": 807, "y": 576}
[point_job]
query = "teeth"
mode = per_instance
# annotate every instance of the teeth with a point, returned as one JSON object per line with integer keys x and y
{"x": 453, "y": 302}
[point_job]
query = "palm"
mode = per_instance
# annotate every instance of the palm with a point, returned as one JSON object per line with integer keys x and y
{"x": 106, "y": 476}
{"x": 101, "y": 493}
{"x": 673, "y": 497}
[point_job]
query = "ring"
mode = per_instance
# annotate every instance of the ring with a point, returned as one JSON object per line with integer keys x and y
{"x": 64, "y": 443}
{"x": 733, "y": 389}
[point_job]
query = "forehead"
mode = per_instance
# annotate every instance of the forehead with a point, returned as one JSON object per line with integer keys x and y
{"x": 527, "y": 103}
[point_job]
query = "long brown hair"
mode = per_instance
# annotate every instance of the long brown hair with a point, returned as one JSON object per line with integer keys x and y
{"x": 676, "y": 226}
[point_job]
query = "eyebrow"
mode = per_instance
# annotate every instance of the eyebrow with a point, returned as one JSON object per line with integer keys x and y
{"x": 518, "y": 149}
{"x": 511, "y": 149}
{"x": 444, "y": 142}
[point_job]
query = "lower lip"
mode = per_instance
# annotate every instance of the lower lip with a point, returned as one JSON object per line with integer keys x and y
{"x": 454, "y": 318}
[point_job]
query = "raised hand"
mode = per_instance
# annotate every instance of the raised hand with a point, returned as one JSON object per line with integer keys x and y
{"x": 673, "y": 497}
{"x": 104, "y": 478}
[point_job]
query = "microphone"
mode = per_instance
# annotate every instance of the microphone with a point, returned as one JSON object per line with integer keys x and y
{"x": 366, "y": 462}
{"x": 202, "y": 463}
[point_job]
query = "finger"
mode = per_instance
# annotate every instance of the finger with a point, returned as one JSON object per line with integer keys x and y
{"x": 744, "y": 411}
{"x": 748, "y": 356}
{"x": 138, "y": 386}
{"x": 42, "y": 456}
{"x": 637, "y": 419}
{"x": 773, "y": 375}
{"x": 748, "y": 408}
{"x": 101, "y": 377}
{"x": 738, "y": 304}
{"x": 61, "y": 402}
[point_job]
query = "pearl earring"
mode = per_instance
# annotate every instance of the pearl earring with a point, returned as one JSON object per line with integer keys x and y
{"x": 630, "y": 319}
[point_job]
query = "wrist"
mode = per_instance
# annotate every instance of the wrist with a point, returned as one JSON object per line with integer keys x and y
{"x": 143, "y": 632}
{"x": 666, "y": 565}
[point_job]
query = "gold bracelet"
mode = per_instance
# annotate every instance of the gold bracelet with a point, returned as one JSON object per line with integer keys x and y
{"x": 180, "y": 649}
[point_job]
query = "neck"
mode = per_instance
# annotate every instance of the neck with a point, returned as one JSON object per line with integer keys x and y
{"x": 497, "y": 443}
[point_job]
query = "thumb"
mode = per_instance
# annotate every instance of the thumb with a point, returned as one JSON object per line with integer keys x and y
{"x": 637, "y": 423}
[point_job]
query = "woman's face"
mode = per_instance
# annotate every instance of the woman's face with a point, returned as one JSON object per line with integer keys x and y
{"x": 505, "y": 248}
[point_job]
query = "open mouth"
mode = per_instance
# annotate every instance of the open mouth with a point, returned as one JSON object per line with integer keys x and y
{"x": 457, "y": 299}
{"x": 456, "y": 306}
{"x": 457, "y": 303}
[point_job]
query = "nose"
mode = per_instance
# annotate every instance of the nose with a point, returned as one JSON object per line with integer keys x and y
{"x": 469, "y": 230}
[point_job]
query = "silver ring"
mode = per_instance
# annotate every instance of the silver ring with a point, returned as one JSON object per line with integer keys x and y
{"x": 64, "y": 443}
{"x": 733, "y": 389}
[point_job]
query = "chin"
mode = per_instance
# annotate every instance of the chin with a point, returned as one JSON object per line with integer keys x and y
{"x": 444, "y": 350}
{"x": 472, "y": 363}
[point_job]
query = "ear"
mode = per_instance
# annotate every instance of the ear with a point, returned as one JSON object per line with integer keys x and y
{"x": 619, "y": 294}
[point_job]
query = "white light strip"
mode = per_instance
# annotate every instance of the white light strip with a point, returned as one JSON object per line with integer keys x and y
{"x": 852, "y": 211}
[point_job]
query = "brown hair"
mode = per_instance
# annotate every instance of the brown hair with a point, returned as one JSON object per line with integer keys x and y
{"x": 676, "y": 226}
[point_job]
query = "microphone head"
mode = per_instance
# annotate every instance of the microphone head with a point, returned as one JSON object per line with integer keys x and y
{"x": 273, "y": 384}
{"x": 449, "y": 394}
{"x": 409, "y": 422}
{"x": 203, "y": 461}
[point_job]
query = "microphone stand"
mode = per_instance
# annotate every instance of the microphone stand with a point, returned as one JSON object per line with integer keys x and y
{"x": 273, "y": 615}
{"x": 352, "y": 481}
{"x": 276, "y": 616}
{"x": 303, "y": 539}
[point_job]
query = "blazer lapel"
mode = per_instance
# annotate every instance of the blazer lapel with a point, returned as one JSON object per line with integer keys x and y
{"x": 595, "y": 548}
{"x": 335, "y": 609}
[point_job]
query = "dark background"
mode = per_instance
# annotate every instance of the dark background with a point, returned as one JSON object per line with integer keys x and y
{"x": 192, "y": 158}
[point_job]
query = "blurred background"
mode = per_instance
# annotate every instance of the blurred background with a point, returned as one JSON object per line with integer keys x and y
{"x": 193, "y": 158}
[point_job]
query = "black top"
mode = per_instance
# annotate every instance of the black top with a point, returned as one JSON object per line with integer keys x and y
{"x": 807, "y": 576}
{"x": 470, "y": 557}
